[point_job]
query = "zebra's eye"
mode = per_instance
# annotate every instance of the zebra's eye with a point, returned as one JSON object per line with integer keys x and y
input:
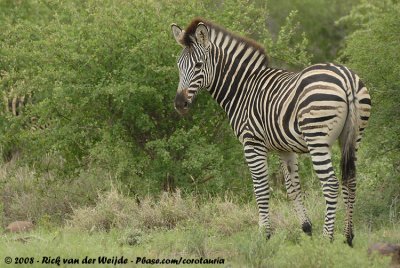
{"x": 198, "y": 65}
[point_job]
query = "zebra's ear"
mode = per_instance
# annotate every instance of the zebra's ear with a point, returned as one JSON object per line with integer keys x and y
{"x": 202, "y": 35}
{"x": 178, "y": 34}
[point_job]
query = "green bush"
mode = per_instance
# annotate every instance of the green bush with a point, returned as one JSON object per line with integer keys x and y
{"x": 102, "y": 76}
{"x": 372, "y": 50}
{"x": 317, "y": 19}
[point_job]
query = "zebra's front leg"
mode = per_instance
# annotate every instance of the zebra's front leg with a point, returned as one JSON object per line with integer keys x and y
{"x": 256, "y": 158}
{"x": 290, "y": 168}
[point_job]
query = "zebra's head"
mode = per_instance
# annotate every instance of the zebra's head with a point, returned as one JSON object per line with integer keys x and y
{"x": 193, "y": 63}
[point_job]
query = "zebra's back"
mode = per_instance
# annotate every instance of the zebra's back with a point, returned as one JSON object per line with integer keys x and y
{"x": 311, "y": 105}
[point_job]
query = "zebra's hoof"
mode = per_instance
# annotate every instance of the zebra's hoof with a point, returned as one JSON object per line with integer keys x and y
{"x": 265, "y": 231}
{"x": 268, "y": 236}
{"x": 307, "y": 228}
{"x": 349, "y": 239}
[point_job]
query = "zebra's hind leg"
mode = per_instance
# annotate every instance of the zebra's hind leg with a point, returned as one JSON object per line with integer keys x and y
{"x": 322, "y": 163}
{"x": 349, "y": 185}
{"x": 349, "y": 196}
{"x": 289, "y": 166}
{"x": 256, "y": 159}
{"x": 349, "y": 158}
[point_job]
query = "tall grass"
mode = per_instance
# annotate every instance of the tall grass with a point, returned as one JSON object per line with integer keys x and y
{"x": 46, "y": 199}
{"x": 172, "y": 226}
{"x": 97, "y": 218}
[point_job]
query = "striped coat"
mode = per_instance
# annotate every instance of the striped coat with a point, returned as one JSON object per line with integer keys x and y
{"x": 276, "y": 110}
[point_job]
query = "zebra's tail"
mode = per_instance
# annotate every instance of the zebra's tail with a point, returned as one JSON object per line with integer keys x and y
{"x": 348, "y": 139}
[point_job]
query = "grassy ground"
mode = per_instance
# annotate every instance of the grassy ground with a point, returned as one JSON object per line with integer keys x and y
{"x": 175, "y": 227}
{"x": 243, "y": 249}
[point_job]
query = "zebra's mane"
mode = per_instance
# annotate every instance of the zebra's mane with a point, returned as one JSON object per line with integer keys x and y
{"x": 189, "y": 34}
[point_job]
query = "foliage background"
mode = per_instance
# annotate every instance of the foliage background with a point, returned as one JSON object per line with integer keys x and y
{"x": 102, "y": 77}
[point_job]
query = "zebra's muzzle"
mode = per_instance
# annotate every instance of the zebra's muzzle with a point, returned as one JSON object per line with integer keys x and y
{"x": 182, "y": 102}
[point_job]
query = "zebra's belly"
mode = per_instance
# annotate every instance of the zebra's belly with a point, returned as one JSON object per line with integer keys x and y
{"x": 274, "y": 134}
{"x": 280, "y": 141}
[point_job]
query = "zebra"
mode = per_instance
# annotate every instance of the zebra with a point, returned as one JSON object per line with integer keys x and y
{"x": 274, "y": 110}
{"x": 14, "y": 105}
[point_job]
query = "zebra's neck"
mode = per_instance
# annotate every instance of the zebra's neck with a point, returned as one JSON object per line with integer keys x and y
{"x": 240, "y": 68}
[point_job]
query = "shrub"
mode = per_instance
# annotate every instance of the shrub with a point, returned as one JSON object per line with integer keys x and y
{"x": 372, "y": 50}
{"x": 102, "y": 77}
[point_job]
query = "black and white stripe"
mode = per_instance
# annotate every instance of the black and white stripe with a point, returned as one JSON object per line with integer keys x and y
{"x": 14, "y": 105}
{"x": 276, "y": 110}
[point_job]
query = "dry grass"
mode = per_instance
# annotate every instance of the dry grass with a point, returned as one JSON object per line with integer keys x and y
{"x": 228, "y": 217}
{"x": 170, "y": 210}
{"x": 173, "y": 225}
{"x": 27, "y": 196}
{"x": 167, "y": 212}
{"x": 112, "y": 210}
{"x": 91, "y": 202}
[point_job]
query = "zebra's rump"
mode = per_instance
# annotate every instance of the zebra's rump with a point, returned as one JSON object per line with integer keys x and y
{"x": 312, "y": 106}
